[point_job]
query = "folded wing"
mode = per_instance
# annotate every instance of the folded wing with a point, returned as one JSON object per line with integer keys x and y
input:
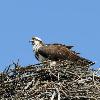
{"x": 57, "y": 52}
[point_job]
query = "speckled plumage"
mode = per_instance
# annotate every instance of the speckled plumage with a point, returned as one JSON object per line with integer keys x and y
{"x": 55, "y": 52}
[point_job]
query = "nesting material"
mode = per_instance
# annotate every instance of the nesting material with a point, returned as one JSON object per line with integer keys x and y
{"x": 62, "y": 81}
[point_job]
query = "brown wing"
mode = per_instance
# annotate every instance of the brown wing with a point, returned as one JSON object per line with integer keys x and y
{"x": 56, "y": 52}
{"x": 60, "y": 52}
{"x": 67, "y": 46}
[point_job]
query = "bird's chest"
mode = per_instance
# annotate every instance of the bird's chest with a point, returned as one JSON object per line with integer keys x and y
{"x": 40, "y": 57}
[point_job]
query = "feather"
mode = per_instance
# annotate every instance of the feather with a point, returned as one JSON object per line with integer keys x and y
{"x": 57, "y": 52}
{"x": 56, "y": 44}
{"x": 61, "y": 52}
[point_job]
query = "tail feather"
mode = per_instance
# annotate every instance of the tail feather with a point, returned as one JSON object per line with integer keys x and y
{"x": 84, "y": 62}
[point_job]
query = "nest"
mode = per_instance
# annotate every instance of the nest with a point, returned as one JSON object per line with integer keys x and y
{"x": 46, "y": 81}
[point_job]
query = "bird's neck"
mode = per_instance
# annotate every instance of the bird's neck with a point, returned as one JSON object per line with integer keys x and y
{"x": 36, "y": 47}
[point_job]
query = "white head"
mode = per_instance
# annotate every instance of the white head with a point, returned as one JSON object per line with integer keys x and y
{"x": 36, "y": 42}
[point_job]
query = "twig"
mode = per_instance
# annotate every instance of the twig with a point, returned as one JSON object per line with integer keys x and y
{"x": 53, "y": 95}
{"x": 58, "y": 93}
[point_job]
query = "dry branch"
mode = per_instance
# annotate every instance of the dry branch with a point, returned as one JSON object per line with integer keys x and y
{"x": 64, "y": 81}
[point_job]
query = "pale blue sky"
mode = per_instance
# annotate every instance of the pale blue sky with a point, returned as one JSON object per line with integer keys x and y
{"x": 71, "y": 22}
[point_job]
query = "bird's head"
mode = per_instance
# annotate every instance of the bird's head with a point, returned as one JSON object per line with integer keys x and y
{"x": 36, "y": 42}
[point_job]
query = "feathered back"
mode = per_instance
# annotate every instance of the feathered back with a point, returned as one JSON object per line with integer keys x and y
{"x": 61, "y": 52}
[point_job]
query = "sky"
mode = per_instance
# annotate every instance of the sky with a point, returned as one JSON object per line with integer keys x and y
{"x": 70, "y": 22}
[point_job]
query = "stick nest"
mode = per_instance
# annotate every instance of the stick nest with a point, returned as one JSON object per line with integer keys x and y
{"x": 44, "y": 81}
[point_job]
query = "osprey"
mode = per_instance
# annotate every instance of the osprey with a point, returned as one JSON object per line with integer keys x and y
{"x": 57, "y": 52}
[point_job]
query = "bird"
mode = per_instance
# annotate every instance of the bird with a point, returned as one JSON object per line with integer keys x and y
{"x": 57, "y": 52}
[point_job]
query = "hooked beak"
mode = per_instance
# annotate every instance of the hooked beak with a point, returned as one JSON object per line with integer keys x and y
{"x": 31, "y": 41}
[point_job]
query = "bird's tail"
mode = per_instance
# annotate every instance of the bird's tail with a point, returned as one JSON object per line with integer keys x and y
{"x": 84, "y": 62}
